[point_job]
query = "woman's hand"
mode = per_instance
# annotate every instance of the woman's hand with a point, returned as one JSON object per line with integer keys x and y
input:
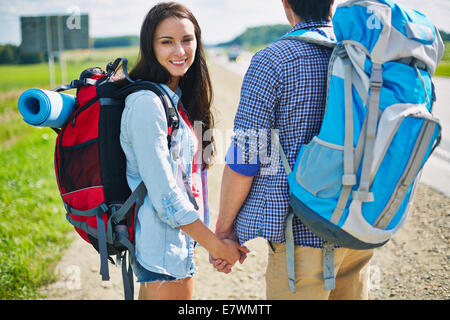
{"x": 230, "y": 251}
{"x": 226, "y": 250}
{"x": 222, "y": 265}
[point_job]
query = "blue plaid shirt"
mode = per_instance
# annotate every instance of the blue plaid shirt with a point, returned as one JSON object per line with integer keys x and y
{"x": 285, "y": 89}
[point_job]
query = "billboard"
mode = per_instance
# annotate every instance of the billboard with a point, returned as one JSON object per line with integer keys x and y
{"x": 54, "y": 33}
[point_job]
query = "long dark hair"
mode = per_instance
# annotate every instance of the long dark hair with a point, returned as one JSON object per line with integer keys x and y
{"x": 196, "y": 83}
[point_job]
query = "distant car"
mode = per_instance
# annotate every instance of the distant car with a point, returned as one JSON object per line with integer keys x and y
{"x": 234, "y": 54}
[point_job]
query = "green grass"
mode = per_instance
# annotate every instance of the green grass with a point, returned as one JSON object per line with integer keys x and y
{"x": 443, "y": 70}
{"x": 32, "y": 222}
{"x": 12, "y": 127}
{"x": 17, "y": 77}
{"x": 33, "y": 228}
{"x": 447, "y": 52}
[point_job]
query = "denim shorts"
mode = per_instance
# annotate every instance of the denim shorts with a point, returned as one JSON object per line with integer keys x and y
{"x": 145, "y": 276}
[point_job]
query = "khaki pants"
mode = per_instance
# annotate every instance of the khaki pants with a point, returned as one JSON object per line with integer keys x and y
{"x": 351, "y": 269}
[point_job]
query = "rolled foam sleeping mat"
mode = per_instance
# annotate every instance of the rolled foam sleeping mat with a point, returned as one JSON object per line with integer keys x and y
{"x": 45, "y": 108}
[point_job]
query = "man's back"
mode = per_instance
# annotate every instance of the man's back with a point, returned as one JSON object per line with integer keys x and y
{"x": 284, "y": 89}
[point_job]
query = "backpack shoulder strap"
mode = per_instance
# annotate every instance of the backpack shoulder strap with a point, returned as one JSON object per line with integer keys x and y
{"x": 173, "y": 120}
{"x": 309, "y": 36}
{"x": 328, "y": 253}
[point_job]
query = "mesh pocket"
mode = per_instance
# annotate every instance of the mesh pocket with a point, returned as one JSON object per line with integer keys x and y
{"x": 80, "y": 166}
{"x": 321, "y": 168}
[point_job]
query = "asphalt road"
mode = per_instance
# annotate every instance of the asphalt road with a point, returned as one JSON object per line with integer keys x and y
{"x": 436, "y": 173}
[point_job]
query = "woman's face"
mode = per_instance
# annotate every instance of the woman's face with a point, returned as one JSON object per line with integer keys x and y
{"x": 174, "y": 45}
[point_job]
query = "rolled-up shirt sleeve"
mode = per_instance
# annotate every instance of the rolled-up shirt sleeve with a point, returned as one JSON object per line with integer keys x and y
{"x": 236, "y": 160}
{"x": 147, "y": 132}
{"x": 256, "y": 113}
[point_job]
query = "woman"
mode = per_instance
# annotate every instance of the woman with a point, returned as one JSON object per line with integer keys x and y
{"x": 168, "y": 225}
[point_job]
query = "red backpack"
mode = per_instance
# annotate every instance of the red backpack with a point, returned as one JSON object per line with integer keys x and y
{"x": 90, "y": 165}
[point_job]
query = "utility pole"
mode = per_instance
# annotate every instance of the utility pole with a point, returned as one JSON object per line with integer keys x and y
{"x": 51, "y": 58}
{"x": 62, "y": 61}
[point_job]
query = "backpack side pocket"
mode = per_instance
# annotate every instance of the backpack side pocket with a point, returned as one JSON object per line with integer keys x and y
{"x": 320, "y": 168}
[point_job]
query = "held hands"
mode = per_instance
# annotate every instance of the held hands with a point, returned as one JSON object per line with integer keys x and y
{"x": 234, "y": 190}
{"x": 231, "y": 253}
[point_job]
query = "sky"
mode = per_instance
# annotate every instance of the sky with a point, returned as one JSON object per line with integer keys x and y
{"x": 220, "y": 20}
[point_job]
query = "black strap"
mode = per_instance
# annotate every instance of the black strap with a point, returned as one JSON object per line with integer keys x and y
{"x": 127, "y": 276}
{"x": 127, "y": 273}
{"x": 76, "y": 84}
{"x": 110, "y": 102}
{"x": 102, "y": 248}
{"x": 112, "y": 67}
{"x": 170, "y": 110}
{"x": 63, "y": 87}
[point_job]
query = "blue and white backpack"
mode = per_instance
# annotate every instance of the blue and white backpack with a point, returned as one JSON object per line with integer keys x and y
{"x": 353, "y": 184}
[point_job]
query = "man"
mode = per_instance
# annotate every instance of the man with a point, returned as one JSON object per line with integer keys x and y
{"x": 284, "y": 89}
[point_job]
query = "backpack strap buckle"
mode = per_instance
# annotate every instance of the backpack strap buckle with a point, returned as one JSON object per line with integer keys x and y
{"x": 349, "y": 179}
{"x": 376, "y": 78}
{"x": 104, "y": 207}
{"x": 363, "y": 196}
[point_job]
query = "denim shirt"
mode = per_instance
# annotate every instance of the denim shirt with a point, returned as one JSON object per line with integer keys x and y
{"x": 161, "y": 246}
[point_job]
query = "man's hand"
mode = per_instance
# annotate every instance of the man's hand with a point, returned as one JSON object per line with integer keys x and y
{"x": 222, "y": 265}
{"x": 234, "y": 190}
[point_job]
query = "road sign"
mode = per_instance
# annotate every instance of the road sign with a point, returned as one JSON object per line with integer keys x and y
{"x": 54, "y": 33}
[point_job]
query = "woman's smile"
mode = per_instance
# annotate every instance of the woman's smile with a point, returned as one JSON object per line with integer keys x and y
{"x": 179, "y": 63}
{"x": 175, "y": 45}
